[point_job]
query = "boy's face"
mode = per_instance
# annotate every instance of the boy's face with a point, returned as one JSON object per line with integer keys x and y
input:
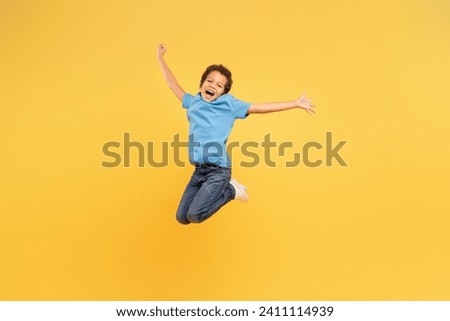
{"x": 213, "y": 86}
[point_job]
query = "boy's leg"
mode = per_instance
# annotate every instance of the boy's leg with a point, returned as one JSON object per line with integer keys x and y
{"x": 189, "y": 193}
{"x": 214, "y": 192}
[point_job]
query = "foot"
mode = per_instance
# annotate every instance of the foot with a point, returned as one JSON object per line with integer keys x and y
{"x": 241, "y": 191}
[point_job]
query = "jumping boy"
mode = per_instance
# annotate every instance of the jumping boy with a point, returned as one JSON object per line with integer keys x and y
{"x": 211, "y": 113}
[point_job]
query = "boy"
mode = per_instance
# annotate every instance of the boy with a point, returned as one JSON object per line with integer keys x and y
{"x": 211, "y": 115}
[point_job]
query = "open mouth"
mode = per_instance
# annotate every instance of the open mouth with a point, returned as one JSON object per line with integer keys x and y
{"x": 209, "y": 92}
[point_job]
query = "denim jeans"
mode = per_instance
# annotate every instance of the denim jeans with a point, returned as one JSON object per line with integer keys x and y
{"x": 207, "y": 191}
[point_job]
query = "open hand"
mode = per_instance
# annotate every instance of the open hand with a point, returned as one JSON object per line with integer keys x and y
{"x": 305, "y": 103}
{"x": 161, "y": 50}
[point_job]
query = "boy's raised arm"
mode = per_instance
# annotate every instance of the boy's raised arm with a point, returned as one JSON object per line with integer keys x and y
{"x": 168, "y": 75}
{"x": 301, "y": 102}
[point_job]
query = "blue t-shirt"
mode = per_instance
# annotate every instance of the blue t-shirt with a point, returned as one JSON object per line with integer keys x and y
{"x": 210, "y": 124}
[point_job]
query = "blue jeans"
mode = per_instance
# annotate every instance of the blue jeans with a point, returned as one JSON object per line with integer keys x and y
{"x": 207, "y": 191}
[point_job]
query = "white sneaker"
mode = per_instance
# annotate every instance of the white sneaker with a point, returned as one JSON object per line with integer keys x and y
{"x": 241, "y": 191}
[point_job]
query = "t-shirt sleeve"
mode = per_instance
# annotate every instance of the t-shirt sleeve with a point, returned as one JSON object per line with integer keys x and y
{"x": 240, "y": 108}
{"x": 187, "y": 98}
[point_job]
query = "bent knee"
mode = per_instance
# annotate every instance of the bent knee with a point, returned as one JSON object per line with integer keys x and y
{"x": 195, "y": 217}
{"x": 182, "y": 219}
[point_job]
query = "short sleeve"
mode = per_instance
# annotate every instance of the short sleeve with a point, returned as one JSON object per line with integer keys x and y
{"x": 240, "y": 108}
{"x": 187, "y": 98}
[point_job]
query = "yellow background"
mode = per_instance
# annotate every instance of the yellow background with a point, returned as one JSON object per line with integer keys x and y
{"x": 77, "y": 74}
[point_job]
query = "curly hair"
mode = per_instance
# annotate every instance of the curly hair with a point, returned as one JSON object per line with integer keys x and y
{"x": 221, "y": 69}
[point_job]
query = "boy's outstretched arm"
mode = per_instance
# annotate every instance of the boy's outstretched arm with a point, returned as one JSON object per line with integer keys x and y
{"x": 302, "y": 102}
{"x": 168, "y": 75}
